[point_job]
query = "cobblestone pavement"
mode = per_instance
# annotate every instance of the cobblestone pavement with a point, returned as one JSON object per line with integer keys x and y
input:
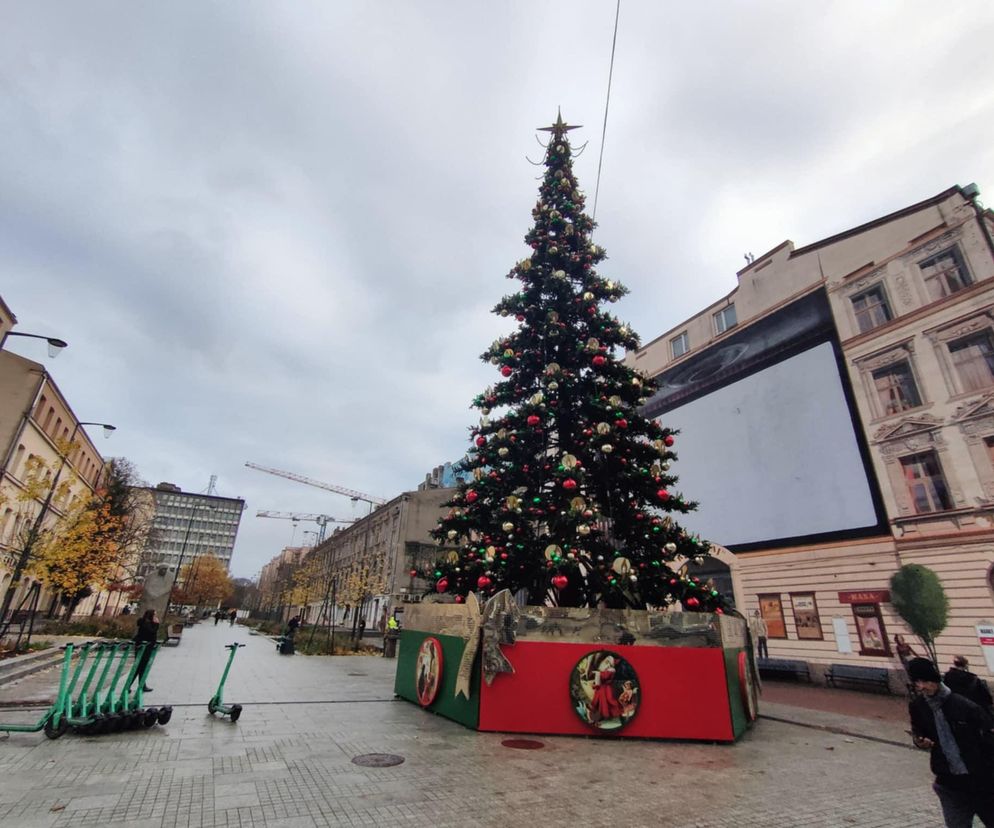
{"x": 289, "y": 763}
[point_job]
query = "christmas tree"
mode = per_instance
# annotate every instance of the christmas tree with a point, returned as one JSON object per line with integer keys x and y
{"x": 570, "y": 486}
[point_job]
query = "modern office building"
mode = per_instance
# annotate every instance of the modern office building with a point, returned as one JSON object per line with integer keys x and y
{"x": 837, "y": 421}
{"x": 187, "y": 525}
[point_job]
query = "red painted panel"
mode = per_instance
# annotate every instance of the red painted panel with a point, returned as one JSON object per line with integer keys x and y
{"x": 684, "y": 692}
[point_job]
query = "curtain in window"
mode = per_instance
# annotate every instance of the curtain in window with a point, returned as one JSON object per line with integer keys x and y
{"x": 973, "y": 359}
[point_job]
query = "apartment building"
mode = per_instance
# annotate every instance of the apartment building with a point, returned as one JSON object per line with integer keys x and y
{"x": 187, "y": 525}
{"x": 837, "y": 418}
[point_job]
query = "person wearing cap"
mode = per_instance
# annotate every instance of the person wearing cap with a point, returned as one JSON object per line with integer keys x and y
{"x": 961, "y": 740}
{"x": 960, "y": 680}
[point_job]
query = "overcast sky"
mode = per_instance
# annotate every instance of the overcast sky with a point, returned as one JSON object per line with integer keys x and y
{"x": 274, "y": 232}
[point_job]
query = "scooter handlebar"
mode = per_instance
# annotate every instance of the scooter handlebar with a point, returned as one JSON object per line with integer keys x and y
{"x": 233, "y": 646}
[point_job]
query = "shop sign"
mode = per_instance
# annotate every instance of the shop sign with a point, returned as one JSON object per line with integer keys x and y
{"x": 865, "y": 596}
{"x": 985, "y": 634}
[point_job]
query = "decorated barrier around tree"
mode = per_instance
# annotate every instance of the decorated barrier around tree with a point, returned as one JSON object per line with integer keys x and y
{"x": 579, "y": 671}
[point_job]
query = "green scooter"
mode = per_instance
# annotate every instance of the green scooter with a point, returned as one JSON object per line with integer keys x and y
{"x": 216, "y": 704}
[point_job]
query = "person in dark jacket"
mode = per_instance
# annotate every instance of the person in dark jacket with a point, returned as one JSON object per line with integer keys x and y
{"x": 147, "y": 634}
{"x": 960, "y": 680}
{"x": 959, "y": 735}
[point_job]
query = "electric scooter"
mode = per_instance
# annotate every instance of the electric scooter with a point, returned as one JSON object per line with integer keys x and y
{"x": 216, "y": 704}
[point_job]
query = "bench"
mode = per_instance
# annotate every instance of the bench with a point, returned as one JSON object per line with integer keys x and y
{"x": 173, "y": 634}
{"x": 853, "y": 674}
{"x": 784, "y": 668}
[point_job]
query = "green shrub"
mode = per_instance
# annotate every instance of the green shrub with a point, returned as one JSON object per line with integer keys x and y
{"x": 918, "y": 597}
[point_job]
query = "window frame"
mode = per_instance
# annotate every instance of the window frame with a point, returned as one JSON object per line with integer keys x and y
{"x": 891, "y": 368}
{"x": 965, "y": 277}
{"x": 942, "y": 498}
{"x": 880, "y": 288}
{"x": 985, "y": 334}
{"x": 683, "y": 338}
{"x": 720, "y": 317}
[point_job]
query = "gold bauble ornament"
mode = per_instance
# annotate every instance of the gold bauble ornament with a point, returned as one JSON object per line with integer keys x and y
{"x": 622, "y": 565}
{"x": 593, "y": 344}
{"x": 538, "y": 398}
{"x": 552, "y": 368}
{"x": 502, "y": 451}
{"x": 568, "y": 461}
{"x": 451, "y": 534}
{"x": 553, "y": 385}
{"x": 570, "y": 230}
{"x": 452, "y": 556}
{"x": 583, "y": 529}
{"x": 559, "y": 174}
{"x": 501, "y": 433}
{"x": 588, "y": 296}
{"x": 479, "y": 474}
{"x": 614, "y": 400}
{"x": 552, "y": 316}
{"x": 578, "y": 504}
{"x": 526, "y": 264}
{"x": 552, "y": 552}
{"x": 512, "y": 501}
{"x": 607, "y": 448}
{"x": 603, "y": 428}
{"x": 509, "y": 352}
{"x": 670, "y": 547}
{"x": 484, "y": 411}
{"x": 559, "y": 274}
{"x": 484, "y": 421}
{"x": 507, "y": 526}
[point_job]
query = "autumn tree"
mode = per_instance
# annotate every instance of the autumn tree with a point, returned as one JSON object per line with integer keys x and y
{"x": 204, "y": 581}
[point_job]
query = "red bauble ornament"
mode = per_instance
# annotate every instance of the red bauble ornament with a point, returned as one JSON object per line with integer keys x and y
{"x": 599, "y": 360}
{"x": 662, "y": 494}
{"x": 692, "y": 602}
{"x": 533, "y": 420}
{"x": 560, "y": 581}
{"x": 506, "y": 371}
{"x": 719, "y": 611}
{"x": 621, "y": 423}
{"x": 459, "y": 599}
{"x": 442, "y": 585}
{"x": 483, "y": 582}
{"x": 668, "y": 439}
{"x": 569, "y": 483}
{"x": 471, "y": 496}
{"x": 481, "y": 441}
{"x": 414, "y": 573}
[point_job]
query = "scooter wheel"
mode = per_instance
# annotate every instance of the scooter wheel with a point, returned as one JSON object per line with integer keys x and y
{"x": 133, "y": 719}
{"x": 212, "y": 706}
{"x": 98, "y": 725}
{"x": 115, "y": 723}
{"x": 54, "y": 731}
{"x": 236, "y": 711}
{"x": 150, "y": 717}
{"x": 165, "y": 714}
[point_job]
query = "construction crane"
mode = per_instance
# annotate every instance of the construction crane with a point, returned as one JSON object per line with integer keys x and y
{"x": 321, "y": 520}
{"x": 370, "y": 499}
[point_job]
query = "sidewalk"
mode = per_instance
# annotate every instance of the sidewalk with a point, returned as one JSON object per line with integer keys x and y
{"x": 290, "y": 762}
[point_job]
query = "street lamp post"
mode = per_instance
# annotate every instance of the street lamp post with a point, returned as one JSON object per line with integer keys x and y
{"x": 36, "y": 527}
{"x": 55, "y": 345}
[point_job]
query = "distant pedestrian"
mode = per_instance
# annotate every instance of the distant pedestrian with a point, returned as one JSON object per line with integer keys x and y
{"x": 960, "y": 680}
{"x": 231, "y": 617}
{"x": 217, "y": 616}
{"x": 760, "y": 632}
{"x": 958, "y": 734}
{"x": 905, "y": 652}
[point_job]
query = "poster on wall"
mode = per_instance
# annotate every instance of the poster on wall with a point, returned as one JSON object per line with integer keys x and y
{"x": 870, "y": 626}
{"x": 985, "y": 635}
{"x": 771, "y": 609}
{"x": 806, "y": 618}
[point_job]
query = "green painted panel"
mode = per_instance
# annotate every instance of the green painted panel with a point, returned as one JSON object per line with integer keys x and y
{"x": 740, "y": 719}
{"x": 459, "y": 709}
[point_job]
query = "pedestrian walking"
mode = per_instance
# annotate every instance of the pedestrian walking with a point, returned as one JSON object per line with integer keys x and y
{"x": 960, "y": 680}
{"x": 959, "y": 735}
{"x": 217, "y": 616}
{"x": 760, "y": 632}
{"x": 147, "y": 634}
{"x": 905, "y": 652}
{"x": 231, "y": 617}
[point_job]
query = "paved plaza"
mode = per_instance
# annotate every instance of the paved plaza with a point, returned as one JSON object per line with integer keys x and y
{"x": 288, "y": 762}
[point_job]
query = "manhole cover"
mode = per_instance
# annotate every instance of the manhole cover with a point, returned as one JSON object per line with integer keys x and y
{"x": 523, "y": 744}
{"x": 377, "y": 760}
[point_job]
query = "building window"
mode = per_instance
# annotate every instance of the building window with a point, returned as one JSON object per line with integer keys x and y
{"x": 896, "y": 388}
{"x": 679, "y": 345}
{"x": 871, "y": 308}
{"x": 973, "y": 360}
{"x": 925, "y": 482}
{"x": 945, "y": 273}
{"x": 725, "y": 319}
